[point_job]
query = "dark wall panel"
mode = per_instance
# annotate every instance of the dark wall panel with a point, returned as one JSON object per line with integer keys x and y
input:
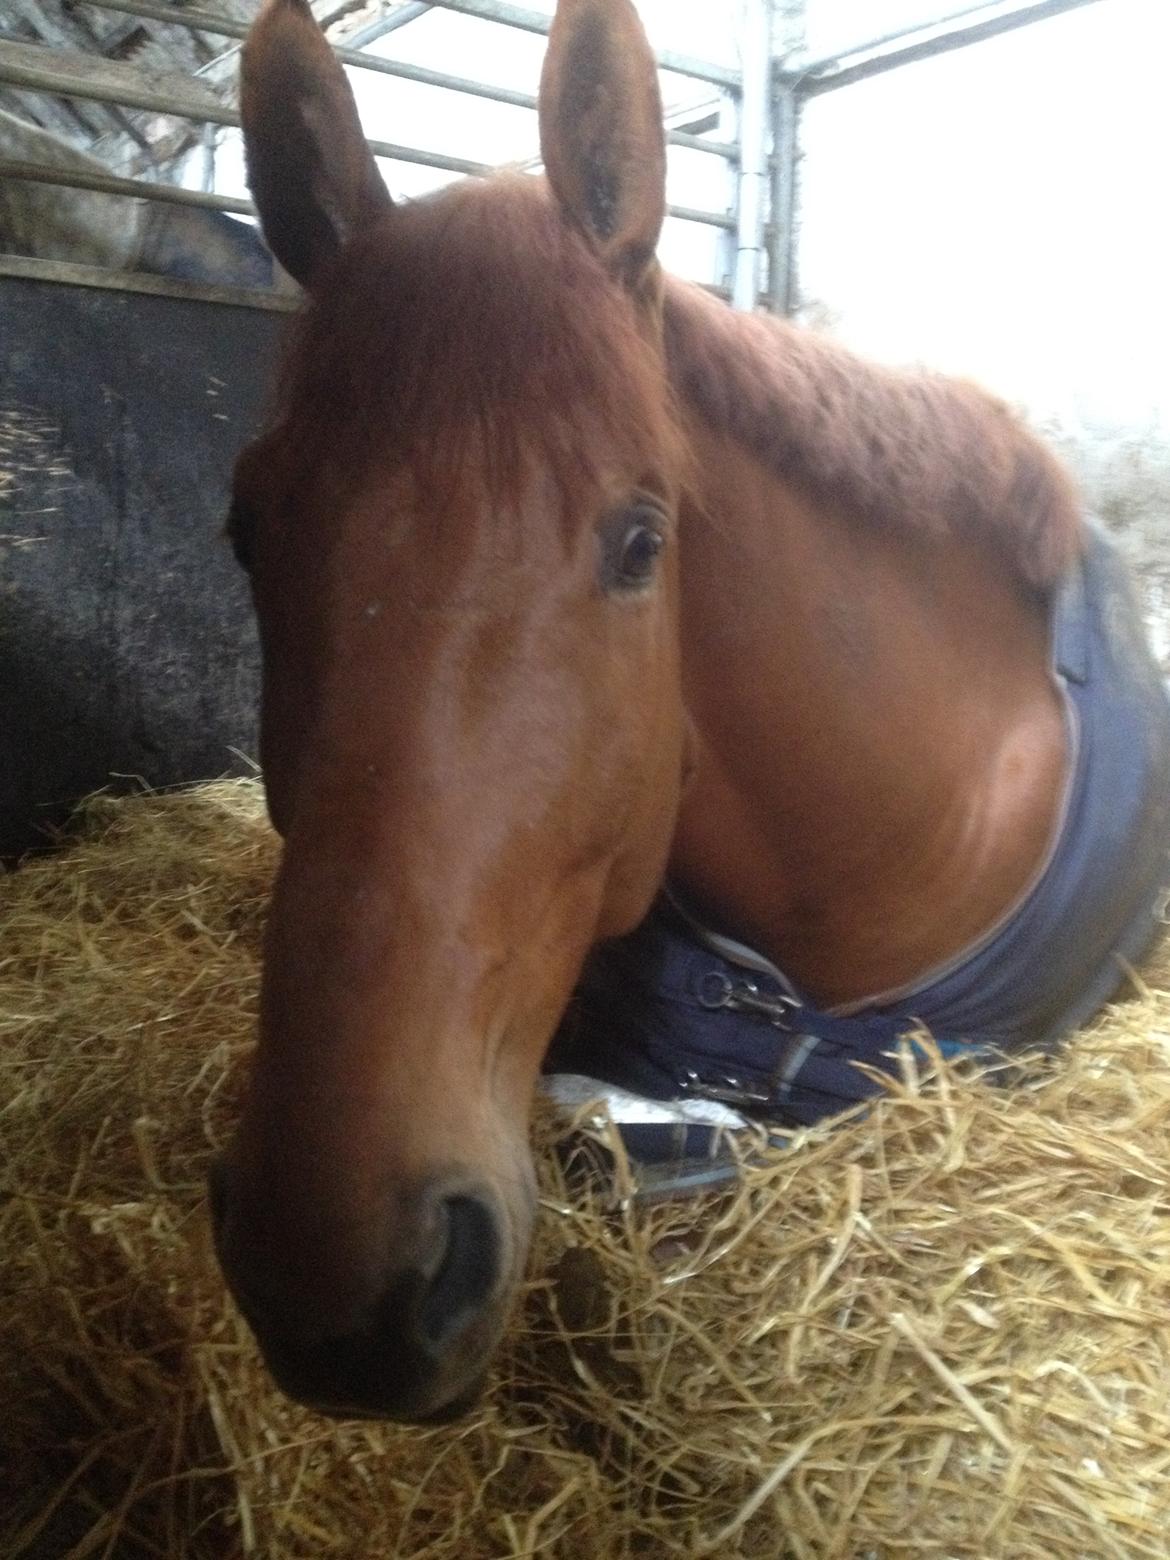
{"x": 126, "y": 637}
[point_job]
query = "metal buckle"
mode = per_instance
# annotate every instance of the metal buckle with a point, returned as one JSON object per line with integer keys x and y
{"x": 718, "y": 991}
{"x": 726, "y": 1091}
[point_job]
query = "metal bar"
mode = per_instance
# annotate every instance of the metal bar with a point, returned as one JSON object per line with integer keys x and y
{"x": 388, "y": 24}
{"x": 425, "y": 77}
{"x": 488, "y": 10}
{"x": 882, "y": 40}
{"x": 697, "y": 143}
{"x": 173, "y": 194}
{"x": 228, "y": 27}
{"x": 500, "y": 11}
{"x": 723, "y": 267}
{"x": 325, "y": 13}
{"x": 707, "y": 218}
{"x": 22, "y": 65}
{"x": 781, "y": 231}
{"x": 837, "y": 75}
{"x": 687, "y": 126}
{"x": 112, "y": 184}
{"x": 145, "y": 282}
{"x": 538, "y": 22}
{"x": 756, "y": 59}
{"x": 422, "y": 159}
{"x": 708, "y": 119}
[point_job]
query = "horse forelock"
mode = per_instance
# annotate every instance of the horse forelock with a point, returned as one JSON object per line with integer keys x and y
{"x": 470, "y": 335}
{"x": 902, "y": 449}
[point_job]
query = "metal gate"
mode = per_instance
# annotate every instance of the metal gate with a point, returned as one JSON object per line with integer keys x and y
{"x": 752, "y": 122}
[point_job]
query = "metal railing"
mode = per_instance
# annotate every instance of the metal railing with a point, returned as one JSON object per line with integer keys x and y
{"x": 76, "y": 75}
{"x": 768, "y": 95}
{"x": 227, "y": 27}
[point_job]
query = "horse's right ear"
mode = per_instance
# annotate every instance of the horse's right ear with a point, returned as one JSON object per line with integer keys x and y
{"x": 312, "y": 176}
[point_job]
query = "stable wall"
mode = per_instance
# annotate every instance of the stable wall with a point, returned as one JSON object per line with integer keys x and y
{"x": 127, "y": 646}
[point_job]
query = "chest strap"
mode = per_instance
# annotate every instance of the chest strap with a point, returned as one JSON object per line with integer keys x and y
{"x": 666, "y": 1017}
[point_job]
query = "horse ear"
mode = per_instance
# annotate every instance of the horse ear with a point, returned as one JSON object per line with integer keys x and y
{"x": 601, "y": 132}
{"x": 314, "y": 179}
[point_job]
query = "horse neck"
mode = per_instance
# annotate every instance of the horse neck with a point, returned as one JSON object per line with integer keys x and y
{"x": 879, "y": 744}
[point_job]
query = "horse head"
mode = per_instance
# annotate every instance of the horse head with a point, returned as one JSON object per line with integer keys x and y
{"x": 460, "y": 531}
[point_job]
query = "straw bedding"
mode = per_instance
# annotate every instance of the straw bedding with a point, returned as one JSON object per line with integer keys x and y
{"x": 942, "y": 1329}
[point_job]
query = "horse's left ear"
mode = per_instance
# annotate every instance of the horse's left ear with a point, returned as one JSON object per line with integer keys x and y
{"x": 313, "y": 178}
{"x": 601, "y": 132}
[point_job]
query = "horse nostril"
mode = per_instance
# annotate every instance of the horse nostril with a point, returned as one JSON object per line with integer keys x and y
{"x": 396, "y": 1330}
{"x": 467, "y": 1274}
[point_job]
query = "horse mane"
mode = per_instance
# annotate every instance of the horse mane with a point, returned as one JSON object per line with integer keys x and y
{"x": 472, "y": 328}
{"x": 914, "y": 450}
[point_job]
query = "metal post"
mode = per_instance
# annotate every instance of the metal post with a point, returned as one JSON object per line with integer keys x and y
{"x": 751, "y": 185}
{"x": 729, "y": 132}
{"x": 784, "y": 104}
{"x": 782, "y": 229}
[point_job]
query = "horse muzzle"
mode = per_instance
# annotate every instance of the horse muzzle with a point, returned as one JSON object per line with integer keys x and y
{"x": 411, "y": 1338}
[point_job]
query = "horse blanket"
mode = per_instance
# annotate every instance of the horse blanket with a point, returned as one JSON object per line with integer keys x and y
{"x": 674, "y": 1011}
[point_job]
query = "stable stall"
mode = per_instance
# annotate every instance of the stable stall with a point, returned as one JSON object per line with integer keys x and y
{"x": 937, "y": 1329}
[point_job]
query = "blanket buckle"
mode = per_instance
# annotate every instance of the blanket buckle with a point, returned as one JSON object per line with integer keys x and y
{"x": 737, "y": 1093}
{"x": 718, "y": 991}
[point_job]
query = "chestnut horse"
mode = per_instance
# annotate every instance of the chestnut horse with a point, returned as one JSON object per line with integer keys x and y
{"x": 570, "y": 580}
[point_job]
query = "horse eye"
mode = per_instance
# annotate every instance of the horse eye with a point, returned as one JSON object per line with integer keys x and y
{"x": 634, "y": 542}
